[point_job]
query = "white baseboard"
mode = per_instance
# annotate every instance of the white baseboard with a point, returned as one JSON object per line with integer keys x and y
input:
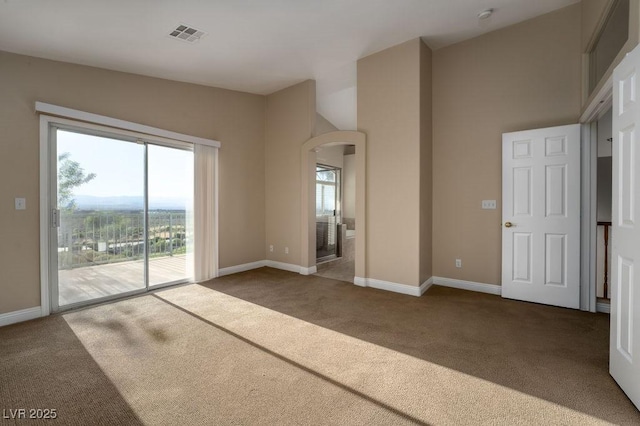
{"x": 394, "y": 287}
{"x": 284, "y": 266}
{"x": 426, "y": 285}
{"x": 360, "y": 282}
{"x": 241, "y": 268}
{"x": 308, "y": 271}
{"x": 605, "y": 308}
{"x": 469, "y": 285}
{"x": 391, "y": 286}
{"x": 20, "y": 316}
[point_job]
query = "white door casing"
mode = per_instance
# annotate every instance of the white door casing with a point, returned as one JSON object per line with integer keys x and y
{"x": 624, "y": 347}
{"x": 541, "y": 216}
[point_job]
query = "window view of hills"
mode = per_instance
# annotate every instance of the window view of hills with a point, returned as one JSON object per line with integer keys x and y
{"x": 88, "y": 202}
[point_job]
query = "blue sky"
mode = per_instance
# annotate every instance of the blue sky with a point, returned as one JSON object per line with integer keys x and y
{"x": 119, "y": 167}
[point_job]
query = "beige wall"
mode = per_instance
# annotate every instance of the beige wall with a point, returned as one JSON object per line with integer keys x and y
{"x": 389, "y": 114}
{"x": 236, "y": 119}
{"x": 290, "y": 123}
{"x": 426, "y": 163}
{"x": 522, "y": 77}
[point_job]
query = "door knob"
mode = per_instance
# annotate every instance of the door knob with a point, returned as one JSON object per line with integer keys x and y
{"x": 508, "y": 224}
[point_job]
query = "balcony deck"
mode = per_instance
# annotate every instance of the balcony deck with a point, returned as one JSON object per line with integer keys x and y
{"x": 92, "y": 282}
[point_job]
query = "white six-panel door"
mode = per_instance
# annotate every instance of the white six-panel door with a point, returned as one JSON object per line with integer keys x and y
{"x": 624, "y": 350}
{"x": 541, "y": 216}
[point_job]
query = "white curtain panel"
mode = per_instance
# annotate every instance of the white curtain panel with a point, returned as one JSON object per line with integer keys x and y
{"x": 204, "y": 221}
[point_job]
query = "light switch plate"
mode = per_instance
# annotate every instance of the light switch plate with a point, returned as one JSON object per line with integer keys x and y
{"x": 21, "y": 203}
{"x": 489, "y": 204}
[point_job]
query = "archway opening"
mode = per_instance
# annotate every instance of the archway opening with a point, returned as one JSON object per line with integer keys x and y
{"x": 314, "y": 152}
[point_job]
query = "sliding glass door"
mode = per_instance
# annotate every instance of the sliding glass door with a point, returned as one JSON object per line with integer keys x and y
{"x": 120, "y": 217}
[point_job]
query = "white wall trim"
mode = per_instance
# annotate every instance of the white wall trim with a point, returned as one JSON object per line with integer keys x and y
{"x": 469, "y": 285}
{"x": 120, "y": 124}
{"x": 588, "y": 208}
{"x": 393, "y": 287}
{"x": 45, "y": 304}
{"x": 241, "y": 268}
{"x": 601, "y": 102}
{"x": 426, "y": 286}
{"x": 605, "y": 308}
{"x": 283, "y": 266}
{"x": 308, "y": 271}
{"x": 20, "y": 316}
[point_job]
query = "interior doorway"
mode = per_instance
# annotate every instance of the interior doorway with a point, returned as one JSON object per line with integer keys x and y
{"x": 347, "y": 150}
{"x": 335, "y": 211}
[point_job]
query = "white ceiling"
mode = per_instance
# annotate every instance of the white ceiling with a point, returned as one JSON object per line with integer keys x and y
{"x": 256, "y": 46}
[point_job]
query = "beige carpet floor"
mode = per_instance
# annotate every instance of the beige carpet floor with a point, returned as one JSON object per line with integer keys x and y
{"x": 273, "y": 347}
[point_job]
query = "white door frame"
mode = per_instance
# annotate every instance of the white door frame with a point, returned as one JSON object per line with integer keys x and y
{"x": 588, "y": 218}
{"x": 589, "y": 191}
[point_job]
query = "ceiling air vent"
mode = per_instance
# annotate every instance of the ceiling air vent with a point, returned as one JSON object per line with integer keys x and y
{"x": 186, "y": 33}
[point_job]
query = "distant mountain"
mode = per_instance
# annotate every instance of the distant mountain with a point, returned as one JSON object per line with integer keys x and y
{"x": 90, "y": 202}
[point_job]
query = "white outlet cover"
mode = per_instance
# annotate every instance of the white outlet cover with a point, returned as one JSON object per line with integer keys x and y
{"x": 21, "y": 203}
{"x": 489, "y": 204}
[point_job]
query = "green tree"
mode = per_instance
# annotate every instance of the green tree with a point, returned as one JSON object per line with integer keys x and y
{"x": 70, "y": 176}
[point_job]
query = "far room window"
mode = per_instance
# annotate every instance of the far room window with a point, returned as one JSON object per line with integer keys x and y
{"x": 326, "y": 182}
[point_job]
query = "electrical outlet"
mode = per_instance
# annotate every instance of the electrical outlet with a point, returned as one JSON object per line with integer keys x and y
{"x": 271, "y": 248}
{"x": 458, "y": 263}
{"x": 286, "y": 250}
{"x": 489, "y": 204}
{"x": 21, "y": 204}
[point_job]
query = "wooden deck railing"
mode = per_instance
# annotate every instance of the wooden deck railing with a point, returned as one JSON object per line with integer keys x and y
{"x": 606, "y": 226}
